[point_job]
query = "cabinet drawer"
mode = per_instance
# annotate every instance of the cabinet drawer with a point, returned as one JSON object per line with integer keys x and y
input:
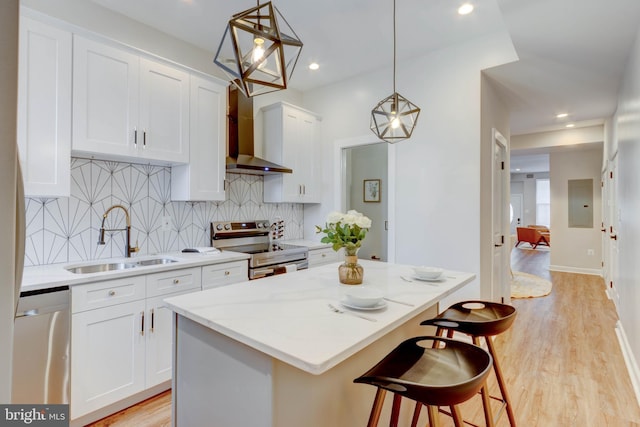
{"x": 224, "y": 274}
{"x": 104, "y": 294}
{"x": 173, "y": 281}
{"x": 322, "y": 256}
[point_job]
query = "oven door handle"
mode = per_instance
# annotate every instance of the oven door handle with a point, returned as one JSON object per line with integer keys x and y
{"x": 263, "y": 272}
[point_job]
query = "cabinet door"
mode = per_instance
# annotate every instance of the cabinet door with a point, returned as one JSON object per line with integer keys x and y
{"x": 291, "y": 138}
{"x": 203, "y": 178}
{"x": 164, "y": 113}
{"x": 107, "y": 356}
{"x": 318, "y": 257}
{"x": 105, "y": 99}
{"x": 44, "y": 108}
{"x": 309, "y": 155}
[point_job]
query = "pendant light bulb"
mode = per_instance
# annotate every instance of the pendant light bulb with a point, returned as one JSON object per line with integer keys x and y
{"x": 258, "y": 52}
{"x": 395, "y": 123}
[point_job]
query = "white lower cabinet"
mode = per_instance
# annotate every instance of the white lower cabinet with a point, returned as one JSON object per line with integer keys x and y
{"x": 323, "y": 256}
{"x": 224, "y": 274}
{"x": 121, "y": 336}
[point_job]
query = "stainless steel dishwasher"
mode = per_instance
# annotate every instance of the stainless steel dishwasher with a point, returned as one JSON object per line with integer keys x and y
{"x": 41, "y": 347}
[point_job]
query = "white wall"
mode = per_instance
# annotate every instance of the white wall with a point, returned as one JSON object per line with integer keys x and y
{"x": 627, "y": 140}
{"x": 437, "y": 187}
{"x": 569, "y": 246}
{"x": 8, "y": 111}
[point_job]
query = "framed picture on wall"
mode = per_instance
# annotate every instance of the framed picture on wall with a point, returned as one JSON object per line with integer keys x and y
{"x": 371, "y": 190}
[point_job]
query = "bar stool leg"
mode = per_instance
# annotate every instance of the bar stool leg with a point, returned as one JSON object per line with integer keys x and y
{"x": 486, "y": 397}
{"x": 416, "y": 414}
{"x": 395, "y": 410}
{"x": 457, "y": 418}
{"x": 376, "y": 409}
{"x": 501, "y": 383}
{"x": 434, "y": 418}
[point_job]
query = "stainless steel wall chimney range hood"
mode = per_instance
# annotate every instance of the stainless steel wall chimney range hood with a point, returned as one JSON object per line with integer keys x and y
{"x": 240, "y": 126}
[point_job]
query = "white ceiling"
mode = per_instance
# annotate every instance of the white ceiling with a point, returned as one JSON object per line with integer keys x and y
{"x": 572, "y": 52}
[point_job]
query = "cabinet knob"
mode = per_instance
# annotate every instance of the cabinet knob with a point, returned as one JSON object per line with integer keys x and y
{"x": 176, "y": 281}
{"x": 112, "y": 293}
{"x": 324, "y": 255}
{"x": 226, "y": 273}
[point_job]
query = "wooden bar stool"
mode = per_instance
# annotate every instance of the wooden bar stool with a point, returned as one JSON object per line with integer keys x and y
{"x": 432, "y": 371}
{"x": 481, "y": 319}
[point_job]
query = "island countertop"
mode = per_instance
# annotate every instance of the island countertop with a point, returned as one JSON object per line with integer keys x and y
{"x": 287, "y": 316}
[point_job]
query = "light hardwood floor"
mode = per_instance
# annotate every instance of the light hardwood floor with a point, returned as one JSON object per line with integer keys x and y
{"x": 561, "y": 359}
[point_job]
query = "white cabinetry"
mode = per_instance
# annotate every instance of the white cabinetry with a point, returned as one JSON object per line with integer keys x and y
{"x": 121, "y": 336}
{"x": 126, "y": 106}
{"x": 44, "y": 108}
{"x": 224, "y": 274}
{"x": 292, "y": 139}
{"x": 203, "y": 178}
{"x": 321, "y": 256}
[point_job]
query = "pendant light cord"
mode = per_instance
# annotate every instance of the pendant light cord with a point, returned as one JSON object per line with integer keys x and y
{"x": 394, "y": 46}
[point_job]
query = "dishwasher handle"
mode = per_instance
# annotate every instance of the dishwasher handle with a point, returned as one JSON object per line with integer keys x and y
{"x": 43, "y": 301}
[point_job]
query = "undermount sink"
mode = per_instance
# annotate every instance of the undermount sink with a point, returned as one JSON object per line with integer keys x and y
{"x": 156, "y": 261}
{"x": 111, "y": 266}
{"x": 98, "y": 268}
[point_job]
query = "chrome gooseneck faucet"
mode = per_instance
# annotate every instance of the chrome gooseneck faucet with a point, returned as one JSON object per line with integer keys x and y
{"x": 128, "y": 248}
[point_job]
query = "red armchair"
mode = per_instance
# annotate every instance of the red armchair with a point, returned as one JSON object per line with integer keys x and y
{"x": 533, "y": 236}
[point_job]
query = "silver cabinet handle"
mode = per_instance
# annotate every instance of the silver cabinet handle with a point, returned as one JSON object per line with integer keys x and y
{"x": 144, "y": 138}
{"x": 135, "y": 137}
{"x": 153, "y": 316}
{"x": 142, "y": 323}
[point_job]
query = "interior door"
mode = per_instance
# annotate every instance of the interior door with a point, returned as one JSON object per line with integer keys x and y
{"x": 517, "y": 208}
{"x": 500, "y": 283}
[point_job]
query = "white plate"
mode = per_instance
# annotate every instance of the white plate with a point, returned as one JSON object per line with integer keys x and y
{"x": 381, "y": 304}
{"x": 439, "y": 279}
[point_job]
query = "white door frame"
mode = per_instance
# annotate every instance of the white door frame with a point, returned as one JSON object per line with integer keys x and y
{"x": 340, "y": 190}
{"x": 500, "y": 285}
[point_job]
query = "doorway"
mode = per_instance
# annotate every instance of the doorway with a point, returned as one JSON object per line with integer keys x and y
{"x": 353, "y": 157}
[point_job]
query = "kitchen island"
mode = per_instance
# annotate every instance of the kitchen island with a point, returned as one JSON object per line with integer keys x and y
{"x": 270, "y": 352}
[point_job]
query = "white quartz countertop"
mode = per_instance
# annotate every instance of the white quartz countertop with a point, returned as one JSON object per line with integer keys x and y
{"x": 49, "y": 276}
{"x": 287, "y": 316}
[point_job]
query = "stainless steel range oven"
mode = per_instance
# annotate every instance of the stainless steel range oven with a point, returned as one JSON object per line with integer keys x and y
{"x": 268, "y": 257}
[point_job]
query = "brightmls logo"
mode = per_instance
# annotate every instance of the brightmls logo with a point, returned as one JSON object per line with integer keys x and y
{"x": 34, "y": 415}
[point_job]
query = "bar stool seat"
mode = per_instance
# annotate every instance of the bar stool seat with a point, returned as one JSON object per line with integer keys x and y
{"x": 480, "y": 319}
{"x": 433, "y": 371}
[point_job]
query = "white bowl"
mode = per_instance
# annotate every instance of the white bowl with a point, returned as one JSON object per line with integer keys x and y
{"x": 430, "y": 273}
{"x": 362, "y": 297}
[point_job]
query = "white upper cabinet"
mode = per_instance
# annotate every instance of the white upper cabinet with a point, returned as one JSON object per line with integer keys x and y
{"x": 44, "y": 108}
{"x": 128, "y": 107}
{"x": 203, "y": 178}
{"x": 292, "y": 139}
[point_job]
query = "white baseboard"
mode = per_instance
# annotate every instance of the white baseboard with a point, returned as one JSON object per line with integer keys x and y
{"x": 629, "y": 360}
{"x": 577, "y": 270}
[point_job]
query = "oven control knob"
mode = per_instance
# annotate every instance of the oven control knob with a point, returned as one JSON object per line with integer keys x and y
{"x": 227, "y": 226}
{"x": 219, "y": 227}
{"x": 265, "y": 224}
{"x": 260, "y": 225}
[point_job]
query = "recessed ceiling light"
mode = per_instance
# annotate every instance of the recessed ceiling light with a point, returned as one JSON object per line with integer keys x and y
{"x": 571, "y": 125}
{"x": 562, "y": 115}
{"x": 314, "y": 66}
{"x": 465, "y": 9}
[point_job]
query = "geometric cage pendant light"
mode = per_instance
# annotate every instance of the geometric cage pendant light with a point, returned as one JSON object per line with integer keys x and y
{"x": 259, "y": 50}
{"x": 394, "y": 118}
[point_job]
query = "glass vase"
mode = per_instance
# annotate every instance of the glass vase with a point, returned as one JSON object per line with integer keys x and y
{"x": 350, "y": 272}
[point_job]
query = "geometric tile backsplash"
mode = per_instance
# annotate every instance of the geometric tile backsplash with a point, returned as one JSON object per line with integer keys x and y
{"x": 66, "y": 229}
